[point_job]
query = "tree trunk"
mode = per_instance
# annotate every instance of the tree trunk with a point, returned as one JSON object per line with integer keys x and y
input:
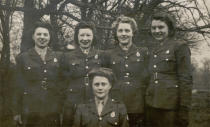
{"x": 30, "y": 18}
{"x": 4, "y": 65}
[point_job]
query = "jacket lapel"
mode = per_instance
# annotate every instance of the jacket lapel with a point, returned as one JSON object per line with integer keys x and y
{"x": 50, "y": 55}
{"x": 35, "y": 56}
{"x": 119, "y": 52}
{"x": 107, "y": 108}
{"x": 92, "y": 107}
{"x": 122, "y": 53}
{"x": 159, "y": 48}
{"x": 132, "y": 50}
{"x": 92, "y": 53}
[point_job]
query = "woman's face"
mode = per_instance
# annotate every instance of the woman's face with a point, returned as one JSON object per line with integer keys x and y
{"x": 159, "y": 30}
{"x": 85, "y": 38}
{"x": 41, "y": 37}
{"x": 101, "y": 87}
{"x": 124, "y": 33}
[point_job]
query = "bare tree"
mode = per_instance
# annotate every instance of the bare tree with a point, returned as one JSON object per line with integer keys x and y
{"x": 5, "y": 65}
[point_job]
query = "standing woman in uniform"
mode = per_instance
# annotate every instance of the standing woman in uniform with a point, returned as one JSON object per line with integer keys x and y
{"x": 129, "y": 63}
{"x": 101, "y": 111}
{"x": 76, "y": 65}
{"x": 169, "y": 93}
{"x": 38, "y": 83}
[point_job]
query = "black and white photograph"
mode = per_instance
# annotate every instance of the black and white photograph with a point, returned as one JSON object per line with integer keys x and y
{"x": 104, "y": 63}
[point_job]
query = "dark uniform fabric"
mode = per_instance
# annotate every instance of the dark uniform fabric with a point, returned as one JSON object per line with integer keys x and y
{"x": 161, "y": 118}
{"x": 131, "y": 72}
{"x": 171, "y": 78}
{"x": 76, "y": 66}
{"x": 113, "y": 115}
{"x": 38, "y": 88}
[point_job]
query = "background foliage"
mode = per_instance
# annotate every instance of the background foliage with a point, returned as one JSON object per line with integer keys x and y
{"x": 18, "y": 16}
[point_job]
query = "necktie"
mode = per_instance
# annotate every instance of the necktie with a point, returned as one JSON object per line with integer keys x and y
{"x": 100, "y": 107}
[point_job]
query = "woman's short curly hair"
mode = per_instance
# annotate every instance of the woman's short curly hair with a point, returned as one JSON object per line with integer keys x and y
{"x": 124, "y": 19}
{"x": 168, "y": 19}
{"x": 105, "y": 72}
{"x": 85, "y": 25}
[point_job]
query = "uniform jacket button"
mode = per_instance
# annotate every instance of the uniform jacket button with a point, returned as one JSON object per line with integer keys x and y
{"x": 43, "y": 82}
{"x": 127, "y": 83}
{"x": 126, "y": 65}
{"x": 155, "y": 56}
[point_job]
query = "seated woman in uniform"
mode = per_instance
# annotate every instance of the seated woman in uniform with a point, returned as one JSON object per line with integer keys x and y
{"x": 101, "y": 110}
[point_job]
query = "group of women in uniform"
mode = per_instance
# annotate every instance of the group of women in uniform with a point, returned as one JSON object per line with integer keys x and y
{"x": 87, "y": 87}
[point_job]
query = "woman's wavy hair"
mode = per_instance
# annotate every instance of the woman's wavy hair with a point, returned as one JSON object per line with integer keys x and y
{"x": 124, "y": 19}
{"x": 168, "y": 19}
{"x": 85, "y": 25}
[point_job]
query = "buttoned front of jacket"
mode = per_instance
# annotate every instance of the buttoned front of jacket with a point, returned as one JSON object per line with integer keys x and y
{"x": 113, "y": 115}
{"x": 170, "y": 69}
{"x": 38, "y": 81}
{"x": 131, "y": 71}
{"x": 76, "y": 66}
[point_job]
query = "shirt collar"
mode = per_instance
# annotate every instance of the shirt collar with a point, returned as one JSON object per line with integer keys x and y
{"x": 104, "y": 101}
{"x": 85, "y": 51}
{"x": 41, "y": 51}
{"x": 125, "y": 48}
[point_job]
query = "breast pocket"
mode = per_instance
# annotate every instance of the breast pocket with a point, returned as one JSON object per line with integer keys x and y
{"x": 97, "y": 61}
{"x": 74, "y": 67}
{"x": 168, "y": 62}
{"x": 116, "y": 64}
{"x": 136, "y": 64}
{"x": 32, "y": 72}
{"x": 94, "y": 63}
{"x": 54, "y": 64}
{"x": 113, "y": 119}
{"x": 74, "y": 64}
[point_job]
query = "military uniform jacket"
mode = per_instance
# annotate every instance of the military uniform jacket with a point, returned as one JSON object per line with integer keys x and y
{"x": 76, "y": 66}
{"x": 132, "y": 77}
{"x": 113, "y": 115}
{"x": 171, "y": 76}
{"x": 38, "y": 83}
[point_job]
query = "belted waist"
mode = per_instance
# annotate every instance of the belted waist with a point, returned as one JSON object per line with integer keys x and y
{"x": 126, "y": 78}
{"x": 80, "y": 80}
{"x": 163, "y": 76}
